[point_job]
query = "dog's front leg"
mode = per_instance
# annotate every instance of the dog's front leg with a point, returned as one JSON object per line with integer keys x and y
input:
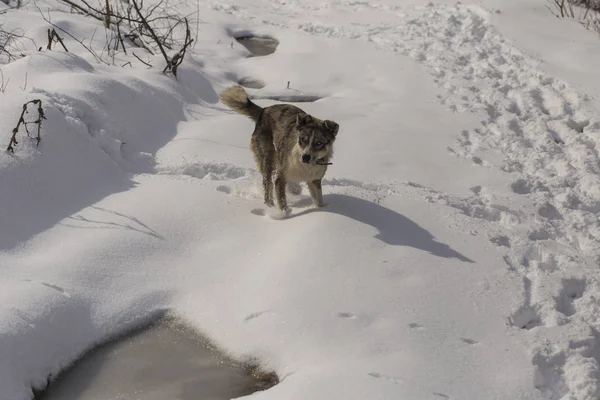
{"x": 280, "y": 196}
{"x": 316, "y": 192}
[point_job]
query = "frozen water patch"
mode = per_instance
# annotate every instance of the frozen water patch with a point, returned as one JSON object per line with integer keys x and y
{"x": 251, "y": 83}
{"x": 258, "y": 46}
{"x": 166, "y": 360}
{"x": 289, "y": 97}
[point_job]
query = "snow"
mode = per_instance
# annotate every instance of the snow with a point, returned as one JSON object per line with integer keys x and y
{"x": 458, "y": 252}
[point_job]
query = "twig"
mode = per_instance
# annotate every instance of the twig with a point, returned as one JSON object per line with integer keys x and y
{"x": 133, "y": 36}
{"x": 107, "y": 15}
{"x": 13, "y": 140}
{"x": 81, "y": 9}
{"x": 178, "y": 57}
{"x": 24, "y": 86}
{"x": 53, "y": 37}
{"x": 142, "y": 61}
{"x": 3, "y": 85}
{"x": 197, "y": 21}
{"x": 92, "y": 52}
{"x": 120, "y": 37}
{"x": 150, "y": 30}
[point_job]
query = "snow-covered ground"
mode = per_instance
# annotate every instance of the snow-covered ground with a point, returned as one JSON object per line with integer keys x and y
{"x": 457, "y": 256}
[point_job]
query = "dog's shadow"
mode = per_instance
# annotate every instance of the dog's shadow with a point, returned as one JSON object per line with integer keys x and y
{"x": 394, "y": 229}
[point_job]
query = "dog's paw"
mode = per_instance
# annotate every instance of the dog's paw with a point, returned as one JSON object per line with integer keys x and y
{"x": 281, "y": 213}
{"x": 269, "y": 203}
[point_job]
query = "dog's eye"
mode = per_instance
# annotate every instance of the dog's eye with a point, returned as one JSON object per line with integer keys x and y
{"x": 319, "y": 144}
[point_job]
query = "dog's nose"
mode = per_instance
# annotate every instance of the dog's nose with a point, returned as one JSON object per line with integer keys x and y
{"x": 306, "y": 158}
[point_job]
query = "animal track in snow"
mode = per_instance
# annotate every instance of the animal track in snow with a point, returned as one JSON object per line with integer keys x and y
{"x": 469, "y": 341}
{"x": 399, "y": 380}
{"x": 571, "y": 290}
{"x": 526, "y": 317}
{"x": 224, "y": 189}
{"x": 206, "y": 170}
{"x": 386, "y": 377}
{"x": 255, "y": 315}
{"x": 500, "y": 240}
{"x": 416, "y": 326}
{"x": 346, "y": 315}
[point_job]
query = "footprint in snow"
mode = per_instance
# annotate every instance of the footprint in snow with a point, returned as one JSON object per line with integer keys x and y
{"x": 526, "y": 317}
{"x": 571, "y": 290}
{"x": 259, "y": 211}
{"x": 416, "y": 326}
{"x": 468, "y": 341}
{"x": 255, "y": 315}
{"x": 346, "y": 315}
{"x": 224, "y": 189}
{"x": 386, "y": 377}
{"x": 500, "y": 240}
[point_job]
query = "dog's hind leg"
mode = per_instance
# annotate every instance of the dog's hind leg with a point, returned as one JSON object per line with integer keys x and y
{"x": 316, "y": 192}
{"x": 280, "y": 196}
{"x": 267, "y": 181}
{"x": 264, "y": 155}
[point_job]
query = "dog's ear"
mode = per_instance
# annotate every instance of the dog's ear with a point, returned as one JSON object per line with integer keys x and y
{"x": 331, "y": 126}
{"x": 303, "y": 121}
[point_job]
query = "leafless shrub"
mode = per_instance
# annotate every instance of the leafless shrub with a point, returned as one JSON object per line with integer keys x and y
{"x": 13, "y": 140}
{"x": 13, "y": 3}
{"x": 587, "y": 12}
{"x": 561, "y": 8}
{"x": 177, "y": 58}
{"x": 55, "y": 35}
{"x": 156, "y": 29}
{"x": 588, "y": 4}
{"x": 6, "y": 40}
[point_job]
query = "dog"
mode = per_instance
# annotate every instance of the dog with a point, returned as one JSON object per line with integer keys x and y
{"x": 288, "y": 144}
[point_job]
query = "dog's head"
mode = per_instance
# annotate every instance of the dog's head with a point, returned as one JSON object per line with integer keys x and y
{"x": 315, "y": 139}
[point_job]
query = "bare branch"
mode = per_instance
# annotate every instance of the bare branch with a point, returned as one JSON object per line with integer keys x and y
{"x": 142, "y": 61}
{"x": 82, "y": 10}
{"x": 24, "y": 88}
{"x": 3, "y": 84}
{"x": 92, "y": 52}
{"x": 178, "y": 57}
{"x": 150, "y": 30}
{"x": 13, "y": 140}
{"x": 54, "y": 38}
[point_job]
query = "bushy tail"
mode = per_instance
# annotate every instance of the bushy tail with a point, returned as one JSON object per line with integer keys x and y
{"x": 237, "y": 99}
